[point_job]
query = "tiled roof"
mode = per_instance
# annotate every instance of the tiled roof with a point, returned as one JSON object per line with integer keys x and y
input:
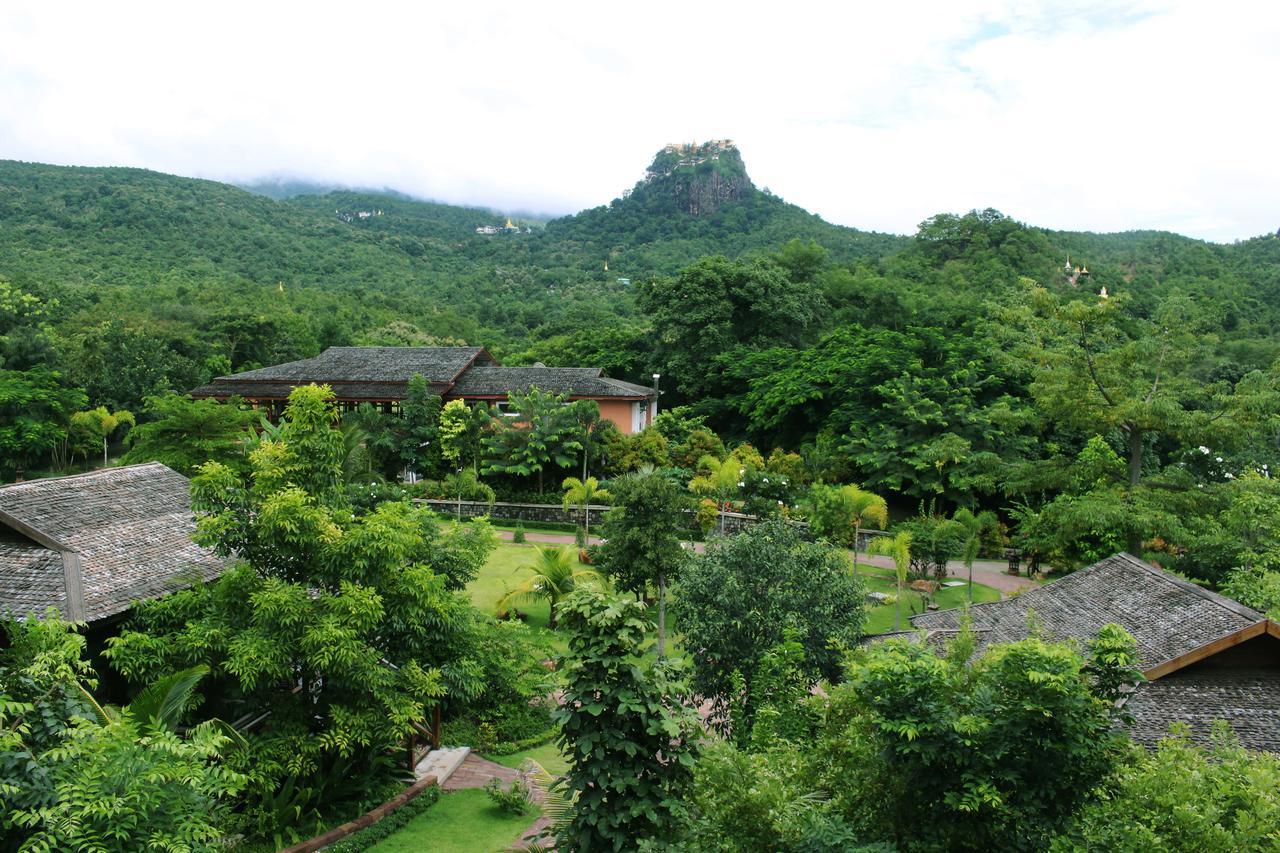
{"x": 1248, "y": 698}
{"x": 369, "y": 364}
{"x": 260, "y": 390}
{"x": 127, "y": 531}
{"x": 574, "y": 381}
{"x": 31, "y": 576}
{"x": 1167, "y": 615}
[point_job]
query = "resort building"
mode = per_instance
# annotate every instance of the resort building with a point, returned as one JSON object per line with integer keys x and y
{"x": 380, "y": 376}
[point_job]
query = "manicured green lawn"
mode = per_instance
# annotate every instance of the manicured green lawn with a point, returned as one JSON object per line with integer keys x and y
{"x": 503, "y": 571}
{"x": 461, "y": 822}
{"x": 548, "y": 756}
{"x": 881, "y": 617}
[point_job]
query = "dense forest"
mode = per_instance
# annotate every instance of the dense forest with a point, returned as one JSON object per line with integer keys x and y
{"x": 970, "y": 365}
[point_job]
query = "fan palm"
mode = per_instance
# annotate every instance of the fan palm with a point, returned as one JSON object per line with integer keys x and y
{"x": 899, "y": 548}
{"x": 582, "y": 493}
{"x": 552, "y": 575}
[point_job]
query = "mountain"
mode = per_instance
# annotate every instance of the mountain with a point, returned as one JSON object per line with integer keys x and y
{"x": 698, "y": 199}
{"x": 109, "y": 235}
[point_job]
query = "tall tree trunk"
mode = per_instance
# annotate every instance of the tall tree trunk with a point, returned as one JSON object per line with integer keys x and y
{"x": 586, "y": 522}
{"x": 1135, "y": 475}
{"x": 662, "y": 614}
{"x": 857, "y": 534}
{"x": 104, "y": 451}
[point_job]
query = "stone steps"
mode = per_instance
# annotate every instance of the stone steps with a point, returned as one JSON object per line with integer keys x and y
{"x": 442, "y": 763}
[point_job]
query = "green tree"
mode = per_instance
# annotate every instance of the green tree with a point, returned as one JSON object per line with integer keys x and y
{"x": 184, "y": 433}
{"x": 999, "y": 753}
{"x": 420, "y": 429}
{"x": 897, "y": 547}
{"x": 552, "y": 575}
{"x": 582, "y": 493}
{"x": 720, "y": 479}
{"x": 338, "y": 624}
{"x": 35, "y": 413}
{"x": 541, "y": 432}
{"x": 587, "y": 414}
{"x": 718, "y": 306}
{"x": 838, "y": 513}
{"x": 1102, "y": 365}
{"x": 626, "y": 727}
{"x": 76, "y": 778}
{"x": 1235, "y": 792}
{"x": 739, "y": 600}
{"x": 642, "y": 538}
{"x": 975, "y": 528}
{"x": 96, "y": 426}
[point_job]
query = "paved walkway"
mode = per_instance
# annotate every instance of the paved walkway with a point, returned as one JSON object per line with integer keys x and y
{"x": 475, "y": 772}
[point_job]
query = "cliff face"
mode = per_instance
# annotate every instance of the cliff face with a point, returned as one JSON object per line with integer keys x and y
{"x": 698, "y": 178}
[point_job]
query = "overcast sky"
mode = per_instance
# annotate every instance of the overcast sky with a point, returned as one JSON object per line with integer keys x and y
{"x": 1106, "y": 116}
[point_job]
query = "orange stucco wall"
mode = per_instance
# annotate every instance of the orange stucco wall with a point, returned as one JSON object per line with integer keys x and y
{"x": 618, "y": 411}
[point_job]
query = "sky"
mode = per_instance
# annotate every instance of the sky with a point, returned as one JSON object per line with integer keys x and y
{"x": 1098, "y": 116}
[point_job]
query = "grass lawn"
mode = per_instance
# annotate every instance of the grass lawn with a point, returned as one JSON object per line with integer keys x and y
{"x": 501, "y": 572}
{"x": 461, "y": 822}
{"x": 880, "y": 618}
{"x": 548, "y": 755}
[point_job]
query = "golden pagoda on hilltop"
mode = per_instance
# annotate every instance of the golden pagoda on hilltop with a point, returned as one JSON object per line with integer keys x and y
{"x": 509, "y": 225}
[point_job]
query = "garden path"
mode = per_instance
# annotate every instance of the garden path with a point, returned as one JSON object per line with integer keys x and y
{"x": 992, "y": 573}
{"x": 475, "y": 772}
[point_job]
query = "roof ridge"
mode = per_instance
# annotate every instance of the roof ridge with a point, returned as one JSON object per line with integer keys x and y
{"x": 1182, "y": 583}
{"x": 96, "y": 472}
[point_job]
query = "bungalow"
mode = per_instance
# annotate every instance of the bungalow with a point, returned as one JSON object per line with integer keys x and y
{"x": 1205, "y": 656}
{"x": 380, "y": 375}
{"x": 91, "y": 545}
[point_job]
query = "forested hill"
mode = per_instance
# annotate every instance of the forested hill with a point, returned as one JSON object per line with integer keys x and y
{"x": 65, "y": 227}
{"x": 218, "y": 276}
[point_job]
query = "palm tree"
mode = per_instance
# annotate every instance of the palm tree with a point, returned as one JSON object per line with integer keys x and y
{"x": 722, "y": 480}
{"x": 864, "y": 506}
{"x": 582, "y": 493}
{"x": 98, "y": 424}
{"x": 899, "y": 548}
{"x": 975, "y": 526}
{"x": 553, "y": 575}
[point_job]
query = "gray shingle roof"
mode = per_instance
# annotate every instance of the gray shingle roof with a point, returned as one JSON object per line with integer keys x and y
{"x": 1248, "y": 698}
{"x": 127, "y": 529}
{"x": 370, "y": 364}
{"x": 574, "y": 381}
{"x": 1167, "y": 615}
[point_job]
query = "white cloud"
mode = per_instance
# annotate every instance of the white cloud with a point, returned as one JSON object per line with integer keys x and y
{"x": 1106, "y": 116}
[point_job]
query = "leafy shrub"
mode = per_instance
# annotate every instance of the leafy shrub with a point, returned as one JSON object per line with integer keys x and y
{"x": 708, "y": 515}
{"x": 515, "y": 797}
{"x": 518, "y": 535}
{"x": 1183, "y": 797}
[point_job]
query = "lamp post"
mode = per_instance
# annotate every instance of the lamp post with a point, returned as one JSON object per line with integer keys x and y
{"x": 653, "y": 412}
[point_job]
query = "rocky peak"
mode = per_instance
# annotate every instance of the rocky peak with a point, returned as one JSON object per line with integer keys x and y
{"x": 699, "y": 177}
